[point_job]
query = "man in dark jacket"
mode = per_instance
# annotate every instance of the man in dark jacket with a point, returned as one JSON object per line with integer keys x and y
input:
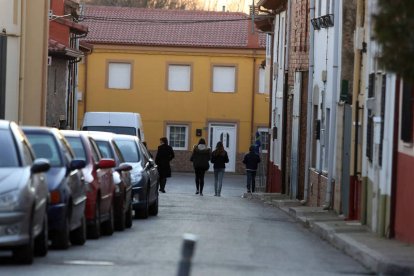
{"x": 251, "y": 160}
{"x": 164, "y": 155}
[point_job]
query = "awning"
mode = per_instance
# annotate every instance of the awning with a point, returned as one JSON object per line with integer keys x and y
{"x": 58, "y": 49}
{"x": 272, "y": 4}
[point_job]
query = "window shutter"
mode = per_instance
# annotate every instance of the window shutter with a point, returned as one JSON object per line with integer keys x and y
{"x": 371, "y": 85}
{"x": 407, "y": 113}
{"x": 119, "y": 75}
{"x": 370, "y": 136}
{"x": 224, "y": 79}
{"x": 383, "y": 91}
{"x": 179, "y": 77}
{"x": 3, "y": 56}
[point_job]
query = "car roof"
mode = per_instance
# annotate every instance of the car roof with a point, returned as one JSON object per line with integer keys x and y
{"x": 4, "y": 124}
{"x": 125, "y": 137}
{"x": 40, "y": 129}
{"x": 100, "y": 135}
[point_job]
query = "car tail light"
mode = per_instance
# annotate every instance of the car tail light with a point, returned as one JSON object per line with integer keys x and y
{"x": 54, "y": 197}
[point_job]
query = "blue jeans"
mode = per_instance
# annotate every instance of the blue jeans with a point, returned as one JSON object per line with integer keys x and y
{"x": 251, "y": 180}
{"x": 218, "y": 180}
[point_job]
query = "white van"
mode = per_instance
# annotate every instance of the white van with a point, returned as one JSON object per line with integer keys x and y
{"x": 116, "y": 122}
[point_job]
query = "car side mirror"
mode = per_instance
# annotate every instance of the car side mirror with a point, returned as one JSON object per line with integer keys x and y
{"x": 123, "y": 168}
{"x": 77, "y": 164}
{"x": 40, "y": 165}
{"x": 106, "y": 163}
{"x": 148, "y": 165}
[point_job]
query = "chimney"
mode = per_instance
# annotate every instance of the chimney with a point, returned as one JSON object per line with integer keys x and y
{"x": 224, "y": 8}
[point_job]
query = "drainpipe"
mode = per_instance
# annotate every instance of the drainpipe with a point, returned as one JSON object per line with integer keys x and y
{"x": 269, "y": 151}
{"x": 22, "y": 61}
{"x": 309, "y": 112}
{"x": 335, "y": 88}
{"x": 253, "y": 97}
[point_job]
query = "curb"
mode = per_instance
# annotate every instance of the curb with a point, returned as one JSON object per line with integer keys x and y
{"x": 368, "y": 257}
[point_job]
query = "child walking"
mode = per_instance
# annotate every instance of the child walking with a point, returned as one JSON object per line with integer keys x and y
{"x": 251, "y": 160}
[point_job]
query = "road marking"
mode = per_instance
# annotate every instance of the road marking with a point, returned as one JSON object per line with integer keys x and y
{"x": 83, "y": 262}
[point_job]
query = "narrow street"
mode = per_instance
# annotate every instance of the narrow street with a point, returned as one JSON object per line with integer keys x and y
{"x": 236, "y": 236}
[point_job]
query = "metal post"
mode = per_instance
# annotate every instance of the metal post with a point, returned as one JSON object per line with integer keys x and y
{"x": 187, "y": 252}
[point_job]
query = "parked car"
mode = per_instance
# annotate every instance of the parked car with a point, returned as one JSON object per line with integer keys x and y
{"x": 23, "y": 196}
{"x": 98, "y": 180}
{"x": 121, "y": 176}
{"x": 144, "y": 175}
{"x": 66, "y": 212}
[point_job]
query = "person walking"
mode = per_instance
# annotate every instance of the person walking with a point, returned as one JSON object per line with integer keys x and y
{"x": 251, "y": 160}
{"x": 163, "y": 158}
{"x": 200, "y": 158}
{"x": 219, "y": 158}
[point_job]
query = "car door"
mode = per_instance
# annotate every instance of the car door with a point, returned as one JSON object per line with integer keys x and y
{"x": 104, "y": 177}
{"x": 151, "y": 169}
{"x": 76, "y": 184}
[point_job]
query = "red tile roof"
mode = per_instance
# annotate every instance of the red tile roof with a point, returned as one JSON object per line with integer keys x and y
{"x": 160, "y": 27}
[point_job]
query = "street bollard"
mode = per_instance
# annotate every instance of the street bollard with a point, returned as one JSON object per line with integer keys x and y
{"x": 187, "y": 252}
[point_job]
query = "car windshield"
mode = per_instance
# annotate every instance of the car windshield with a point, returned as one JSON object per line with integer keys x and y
{"x": 129, "y": 150}
{"x": 77, "y": 146}
{"x": 114, "y": 129}
{"x": 44, "y": 146}
{"x": 105, "y": 149}
{"x": 8, "y": 153}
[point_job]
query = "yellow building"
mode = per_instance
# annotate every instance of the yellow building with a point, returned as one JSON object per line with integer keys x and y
{"x": 190, "y": 74}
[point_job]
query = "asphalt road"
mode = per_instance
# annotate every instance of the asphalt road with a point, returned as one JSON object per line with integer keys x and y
{"x": 236, "y": 236}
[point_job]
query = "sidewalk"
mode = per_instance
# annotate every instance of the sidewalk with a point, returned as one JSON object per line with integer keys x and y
{"x": 382, "y": 256}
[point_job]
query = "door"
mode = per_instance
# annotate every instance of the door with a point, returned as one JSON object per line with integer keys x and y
{"x": 226, "y": 133}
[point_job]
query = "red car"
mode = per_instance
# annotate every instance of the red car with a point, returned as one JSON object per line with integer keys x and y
{"x": 99, "y": 210}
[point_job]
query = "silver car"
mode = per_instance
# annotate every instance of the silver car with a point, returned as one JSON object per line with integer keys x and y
{"x": 23, "y": 196}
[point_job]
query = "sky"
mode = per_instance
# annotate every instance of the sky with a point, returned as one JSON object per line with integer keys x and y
{"x": 232, "y": 5}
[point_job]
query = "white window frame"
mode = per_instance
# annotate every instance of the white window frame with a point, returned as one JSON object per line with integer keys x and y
{"x": 261, "y": 81}
{"x": 223, "y": 86}
{"x": 119, "y": 78}
{"x": 264, "y": 131}
{"x": 184, "y": 86}
{"x": 185, "y": 139}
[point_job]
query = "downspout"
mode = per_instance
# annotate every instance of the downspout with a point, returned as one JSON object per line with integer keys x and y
{"x": 309, "y": 132}
{"x": 45, "y": 65}
{"x": 335, "y": 87}
{"x": 268, "y": 179}
{"x": 252, "y": 133}
{"x": 285, "y": 100}
{"x": 22, "y": 60}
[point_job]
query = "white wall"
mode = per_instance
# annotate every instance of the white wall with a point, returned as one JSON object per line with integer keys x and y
{"x": 10, "y": 18}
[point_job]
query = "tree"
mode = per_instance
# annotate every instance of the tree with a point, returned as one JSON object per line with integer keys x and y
{"x": 393, "y": 29}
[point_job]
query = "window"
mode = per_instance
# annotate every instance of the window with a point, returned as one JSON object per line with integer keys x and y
{"x": 407, "y": 113}
{"x": 178, "y": 136}
{"x": 179, "y": 77}
{"x": 3, "y": 56}
{"x": 370, "y": 136}
{"x": 224, "y": 79}
{"x": 119, "y": 75}
{"x": 264, "y": 139}
{"x": 262, "y": 81}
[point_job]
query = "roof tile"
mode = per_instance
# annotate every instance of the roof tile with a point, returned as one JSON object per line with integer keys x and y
{"x": 161, "y": 27}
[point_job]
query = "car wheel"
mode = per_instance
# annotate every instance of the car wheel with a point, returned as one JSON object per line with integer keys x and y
{"x": 108, "y": 226}
{"x": 128, "y": 216}
{"x": 42, "y": 241}
{"x": 120, "y": 217}
{"x": 94, "y": 230}
{"x": 78, "y": 236}
{"x": 61, "y": 239}
{"x": 24, "y": 253}
{"x": 153, "y": 209}
{"x": 142, "y": 213}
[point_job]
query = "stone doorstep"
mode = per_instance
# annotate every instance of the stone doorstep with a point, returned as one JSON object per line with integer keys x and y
{"x": 285, "y": 203}
{"x": 371, "y": 258}
{"x": 308, "y": 211}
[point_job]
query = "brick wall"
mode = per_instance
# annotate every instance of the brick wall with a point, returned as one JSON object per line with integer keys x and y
{"x": 317, "y": 188}
{"x": 299, "y": 39}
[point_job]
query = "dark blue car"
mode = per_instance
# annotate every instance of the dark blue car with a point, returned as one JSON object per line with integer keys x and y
{"x": 66, "y": 211}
